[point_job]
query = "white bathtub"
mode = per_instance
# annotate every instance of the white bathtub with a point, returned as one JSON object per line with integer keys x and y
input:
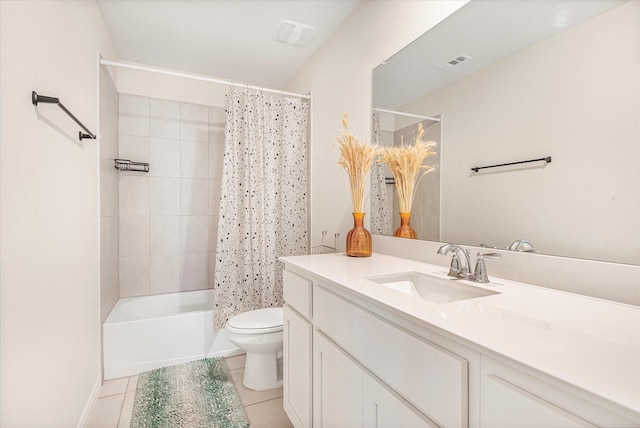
{"x": 144, "y": 333}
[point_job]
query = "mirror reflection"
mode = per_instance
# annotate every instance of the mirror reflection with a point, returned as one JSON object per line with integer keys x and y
{"x": 502, "y": 82}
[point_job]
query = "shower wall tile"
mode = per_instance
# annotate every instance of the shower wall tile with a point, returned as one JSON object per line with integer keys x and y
{"x": 194, "y": 159}
{"x": 194, "y": 271}
{"x": 134, "y": 195}
{"x": 164, "y": 274}
{"x": 108, "y": 150}
{"x": 216, "y": 125}
{"x": 217, "y": 118}
{"x": 213, "y": 231}
{"x": 165, "y": 157}
{"x": 134, "y": 276}
{"x": 164, "y": 196}
{"x": 134, "y": 148}
{"x": 216, "y": 159}
{"x": 194, "y": 196}
{"x": 134, "y": 236}
{"x": 194, "y": 122}
{"x": 164, "y": 235}
{"x": 194, "y": 234}
{"x": 134, "y": 115}
{"x": 431, "y": 198}
{"x": 174, "y": 234}
{"x": 212, "y": 269}
{"x": 164, "y": 121}
{"x": 215, "y": 187}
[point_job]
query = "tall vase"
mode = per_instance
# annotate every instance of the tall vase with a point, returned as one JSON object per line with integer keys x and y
{"x": 405, "y": 230}
{"x": 358, "y": 238}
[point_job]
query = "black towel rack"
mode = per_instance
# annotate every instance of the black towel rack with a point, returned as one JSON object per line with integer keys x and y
{"x": 35, "y": 99}
{"x": 478, "y": 168}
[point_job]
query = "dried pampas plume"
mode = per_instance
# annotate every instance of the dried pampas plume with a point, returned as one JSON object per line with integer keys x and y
{"x": 405, "y": 163}
{"x": 356, "y": 158}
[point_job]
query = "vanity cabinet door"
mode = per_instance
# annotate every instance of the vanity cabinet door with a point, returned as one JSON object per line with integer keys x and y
{"x": 297, "y": 368}
{"x": 337, "y": 387}
{"x": 512, "y": 396}
{"x": 507, "y": 405}
{"x": 383, "y": 409}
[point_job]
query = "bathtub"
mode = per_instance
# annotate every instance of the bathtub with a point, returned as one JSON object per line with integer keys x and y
{"x": 144, "y": 333}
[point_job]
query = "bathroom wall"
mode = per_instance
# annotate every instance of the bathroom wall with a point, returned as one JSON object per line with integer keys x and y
{"x": 49, "y": 213}
{"x": 169, "y": 216}
{"x": 109, "y": 219}
{"x": 339, "y": 76}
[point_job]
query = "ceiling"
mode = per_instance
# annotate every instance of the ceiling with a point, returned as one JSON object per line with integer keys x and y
{"x": 221, "y": 38}
{"x": 486, "y": 31}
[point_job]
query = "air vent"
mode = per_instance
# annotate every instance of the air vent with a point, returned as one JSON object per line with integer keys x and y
{"x": 454, "y": 62}
{"x": 293, "y": 33}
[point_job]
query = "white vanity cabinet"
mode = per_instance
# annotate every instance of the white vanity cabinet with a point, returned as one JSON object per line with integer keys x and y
{"x": 297, "y": 355}
{"x": 337, "y": 386}
{"x": 513, "y": 397}
{"x": 367, "y": 372}
{"x": 354, "y": 361}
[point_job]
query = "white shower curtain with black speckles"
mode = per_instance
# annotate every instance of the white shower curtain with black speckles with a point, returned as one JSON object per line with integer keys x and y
{"x": 263, "y": 202}
{"x": 380, "y": 220}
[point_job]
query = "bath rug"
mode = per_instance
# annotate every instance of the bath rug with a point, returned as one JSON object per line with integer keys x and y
{"x": 196, "y": 394}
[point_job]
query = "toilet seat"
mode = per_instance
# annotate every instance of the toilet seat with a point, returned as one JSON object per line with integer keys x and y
{"x": 259, "y": 321}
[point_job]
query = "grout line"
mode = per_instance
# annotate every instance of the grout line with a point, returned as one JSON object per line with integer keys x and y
{"x": 263, "y": 401}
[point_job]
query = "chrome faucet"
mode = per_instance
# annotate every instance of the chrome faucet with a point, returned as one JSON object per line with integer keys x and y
{"x": 460, "y": 263}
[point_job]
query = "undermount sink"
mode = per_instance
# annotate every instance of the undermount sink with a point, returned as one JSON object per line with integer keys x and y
{"x": 429, "y": 287}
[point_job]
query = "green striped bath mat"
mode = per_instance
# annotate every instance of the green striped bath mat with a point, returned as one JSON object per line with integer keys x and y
{"x": 196, "y": 394}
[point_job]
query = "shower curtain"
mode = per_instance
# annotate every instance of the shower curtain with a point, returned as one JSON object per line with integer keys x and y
{"x": 263, "y": 202}
{"x": 380, "y": 223}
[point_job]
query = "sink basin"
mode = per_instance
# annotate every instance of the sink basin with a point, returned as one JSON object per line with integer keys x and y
{"x": 430, "y": 287}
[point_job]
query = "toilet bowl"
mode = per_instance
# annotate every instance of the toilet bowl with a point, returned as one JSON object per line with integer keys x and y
{"x": 259, "y": 333}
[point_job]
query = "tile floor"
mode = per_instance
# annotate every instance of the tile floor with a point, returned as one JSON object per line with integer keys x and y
{"x": 114, "y": 405}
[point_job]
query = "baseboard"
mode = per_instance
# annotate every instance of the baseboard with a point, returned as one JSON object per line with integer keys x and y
{"x": 84, "y": 417}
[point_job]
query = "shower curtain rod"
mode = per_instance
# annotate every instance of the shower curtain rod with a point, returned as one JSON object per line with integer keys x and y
{"x": 399, "y": 113}
{"x": 199, "y": 77}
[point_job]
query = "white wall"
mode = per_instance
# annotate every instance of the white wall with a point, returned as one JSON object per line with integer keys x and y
{"x": 339, "y": 75}
{"x": 49, "y": 213}
{"x": 154, "y": 85}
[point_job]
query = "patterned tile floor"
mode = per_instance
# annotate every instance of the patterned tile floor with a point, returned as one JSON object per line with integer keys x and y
{"x": 114, "y": 405}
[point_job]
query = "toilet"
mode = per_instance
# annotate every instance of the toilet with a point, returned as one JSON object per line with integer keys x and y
{"x": 259, "y": 333}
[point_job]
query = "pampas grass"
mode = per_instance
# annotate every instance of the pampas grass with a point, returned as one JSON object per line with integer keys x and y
{"x": 405, "y": 163}
{"x": 356, "y": 158}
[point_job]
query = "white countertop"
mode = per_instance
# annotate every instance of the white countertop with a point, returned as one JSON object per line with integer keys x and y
{"x": 589, "y": 343}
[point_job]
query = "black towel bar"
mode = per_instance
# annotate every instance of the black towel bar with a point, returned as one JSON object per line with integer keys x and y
{"x": 477, "y": 168}
{"x": 35, "y": 99}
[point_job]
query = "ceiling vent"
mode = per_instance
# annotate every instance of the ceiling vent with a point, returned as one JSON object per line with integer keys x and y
{"x": 454, "y": 62}
{"x": 293, "y": 33}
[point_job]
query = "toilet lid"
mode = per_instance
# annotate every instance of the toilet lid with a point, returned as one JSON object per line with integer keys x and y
{"x": 266, "y": 320}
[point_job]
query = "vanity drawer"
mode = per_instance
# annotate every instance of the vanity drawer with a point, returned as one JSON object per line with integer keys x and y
{"x": 428, "y": 376}
{"x": 297, "y": 293}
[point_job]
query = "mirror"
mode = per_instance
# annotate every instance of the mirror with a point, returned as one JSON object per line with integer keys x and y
{"x": 522, "y": 80}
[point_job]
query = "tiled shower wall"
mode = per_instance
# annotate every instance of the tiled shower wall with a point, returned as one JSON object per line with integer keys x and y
{"x": 169, "y": 216}
{"x": 108, "y": 144}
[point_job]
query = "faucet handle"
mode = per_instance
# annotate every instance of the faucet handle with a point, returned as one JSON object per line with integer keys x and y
{"x": 482, "y": 256}
{"x": 481, "y": 269}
